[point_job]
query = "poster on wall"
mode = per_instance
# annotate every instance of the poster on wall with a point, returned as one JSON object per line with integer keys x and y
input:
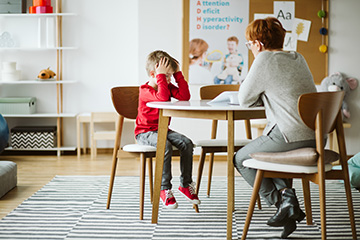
{"x": 217, "y": 51}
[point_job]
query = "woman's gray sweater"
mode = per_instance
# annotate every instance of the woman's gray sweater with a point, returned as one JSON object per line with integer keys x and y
{"x": 276, "y": 80}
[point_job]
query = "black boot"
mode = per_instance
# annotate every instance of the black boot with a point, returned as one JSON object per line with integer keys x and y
{"x": 289, "y": 228}
{"x": 288, "y": 209}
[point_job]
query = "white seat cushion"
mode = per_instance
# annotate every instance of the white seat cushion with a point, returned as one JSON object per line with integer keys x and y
{"x": 221, "y": 142}
{"x": 277, "y": 167}
{"x": 140, "y": 148}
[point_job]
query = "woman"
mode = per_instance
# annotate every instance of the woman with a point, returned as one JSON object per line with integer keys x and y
{"x": 198, "y": 73}
{"x": 276, "y": 80}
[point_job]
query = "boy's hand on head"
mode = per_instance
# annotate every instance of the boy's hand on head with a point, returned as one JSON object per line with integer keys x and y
{"x": 163, "y": 66}
{"x": 178, "y": 67}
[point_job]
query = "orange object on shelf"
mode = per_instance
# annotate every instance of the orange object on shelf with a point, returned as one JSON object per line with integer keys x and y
{"x": 32, "y": 9}
{"x": 41, "y": 3}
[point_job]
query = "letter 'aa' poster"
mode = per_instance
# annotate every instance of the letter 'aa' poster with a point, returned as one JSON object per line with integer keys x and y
{"x": 217, "y": 51}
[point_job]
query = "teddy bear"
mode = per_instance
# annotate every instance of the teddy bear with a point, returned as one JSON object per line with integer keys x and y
{"x": 46, "y": 74}
{"x": 337, "y": 82}
{"x": 231, "y": 67}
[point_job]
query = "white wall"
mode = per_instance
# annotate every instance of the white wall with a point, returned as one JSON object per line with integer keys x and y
{"x": 114, "y": 37}
{"x": 344, "y": 52}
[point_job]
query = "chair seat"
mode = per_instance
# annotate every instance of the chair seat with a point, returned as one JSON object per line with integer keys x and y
{"x": 140, "y": 148}
{"x": 302, "y": 156}
{"x": 221, "y": 142}
{"x": 277, "y": 167}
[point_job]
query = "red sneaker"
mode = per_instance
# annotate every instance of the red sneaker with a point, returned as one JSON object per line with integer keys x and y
{"x": 168, "y": 199}
{"x": 189, "y": 193}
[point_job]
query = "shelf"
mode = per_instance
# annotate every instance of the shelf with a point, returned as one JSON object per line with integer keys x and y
{"x": 36, "y": 15}
{"x": 48, "y": 30}
{"x": 45, "y": 149}
{"x": 38, "y": 82}
{"x": 36, "y": 48}
{"x": 41, "y": 115}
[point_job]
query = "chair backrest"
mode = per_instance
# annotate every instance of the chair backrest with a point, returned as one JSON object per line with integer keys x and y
{"x": 211, "y": 91}
{"x": 329, "y": 103}
{"x": 126, "y": 101}
{"x": 103, "y": 117}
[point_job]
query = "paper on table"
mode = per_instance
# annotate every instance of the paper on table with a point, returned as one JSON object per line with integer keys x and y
{"x": 228, "y": 97}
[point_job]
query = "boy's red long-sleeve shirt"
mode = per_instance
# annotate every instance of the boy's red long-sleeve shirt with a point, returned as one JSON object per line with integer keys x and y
{"x": 148, "y": 118}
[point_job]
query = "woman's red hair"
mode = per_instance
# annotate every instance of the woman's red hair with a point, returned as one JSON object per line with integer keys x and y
{"x": 269, "y": 31}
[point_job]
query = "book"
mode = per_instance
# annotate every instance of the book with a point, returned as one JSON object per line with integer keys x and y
{"x": 226, "y": 97}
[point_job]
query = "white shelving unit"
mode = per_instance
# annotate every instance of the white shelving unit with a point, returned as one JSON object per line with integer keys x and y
{"x": 41, "y": 115}
{"x": 22, "y": 82}
{"x": 36, "y": 48}
{"x": 58, "y": 113}
{"x": 33, "y": 15}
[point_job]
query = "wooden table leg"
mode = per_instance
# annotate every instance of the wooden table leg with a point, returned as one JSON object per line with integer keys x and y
{"x": 159, "y": 163}
{"x": 230, "y": 174}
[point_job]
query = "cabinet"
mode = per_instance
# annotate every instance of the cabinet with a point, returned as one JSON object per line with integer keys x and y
{"x": 47, "y": 40}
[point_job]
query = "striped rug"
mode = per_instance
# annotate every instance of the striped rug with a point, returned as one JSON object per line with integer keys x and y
{"x": 73, "y": 207}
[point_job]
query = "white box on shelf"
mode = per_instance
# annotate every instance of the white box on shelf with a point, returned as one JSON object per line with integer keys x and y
{"x": 18, "y": 105}
{"x": 50, "y": 32}
{"x": 33, "y": 137}
{"x": 41, "y": 32}
{"x": 9, "y": 72}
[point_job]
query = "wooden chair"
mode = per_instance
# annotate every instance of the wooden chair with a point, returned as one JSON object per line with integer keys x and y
{"x": 125, "y": 101}
{"x": 97, "y": 118}
{"x": 322, "y": 113}
{"x": 214, "y": 145}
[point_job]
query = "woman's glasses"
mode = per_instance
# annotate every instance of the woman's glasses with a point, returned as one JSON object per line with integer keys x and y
{"x": 249, "y": 43}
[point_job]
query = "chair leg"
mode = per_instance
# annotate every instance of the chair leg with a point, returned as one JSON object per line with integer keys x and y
{"x": 112, "y": 178}
{"x": 350, "y": 207}
{"x": 78, "y": 140}
{"x": 307, "y": 201}
{"x": 93, "y": 149}
{"x": 200, "y": 171}
{"x": 142, "y": 184}
{"x": 85, "y": 137}
{"x": 211, "y": 163}
{"x": 150, "y": 173}
{"x": 322, "y": 207}
{"x": 254, "y": 196}
{"x": 258, "y": 201}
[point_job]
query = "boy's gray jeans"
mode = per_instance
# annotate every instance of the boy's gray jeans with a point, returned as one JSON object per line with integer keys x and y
{"x": 186, "y": 148}
{"x": 273, "y": 142}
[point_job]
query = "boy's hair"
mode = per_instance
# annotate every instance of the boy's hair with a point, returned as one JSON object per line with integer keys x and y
{"x": 154, "y": 58}
{"x": 269, "y": 31}
{"x": 233, "y": 38}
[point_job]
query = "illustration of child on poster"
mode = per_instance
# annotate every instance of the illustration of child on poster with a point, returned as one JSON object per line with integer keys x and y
{"x": 217, "y": 51}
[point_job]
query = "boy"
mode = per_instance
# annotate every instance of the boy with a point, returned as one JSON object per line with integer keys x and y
{"x": 160, "y": 66}
{"x": 232, "y": 44}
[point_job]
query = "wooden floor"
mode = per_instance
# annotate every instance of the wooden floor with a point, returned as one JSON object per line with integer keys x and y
{"x": 36, "y": 171}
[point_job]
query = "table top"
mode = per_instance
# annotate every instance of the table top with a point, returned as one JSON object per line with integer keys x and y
{"x": 199, "y": 105}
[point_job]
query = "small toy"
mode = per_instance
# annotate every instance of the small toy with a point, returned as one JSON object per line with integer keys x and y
{"x": 231, "y": 64}
{"x": 46, "y": 74}
{"x": 337, "y": 82}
